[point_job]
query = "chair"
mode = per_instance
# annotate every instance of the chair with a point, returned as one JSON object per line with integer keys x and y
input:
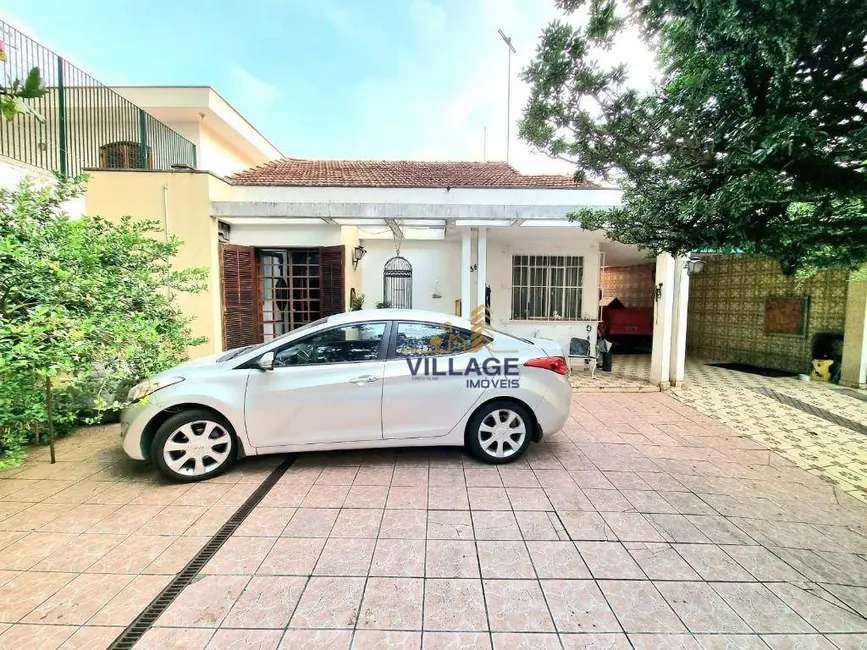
{"x": 580, "y": 349}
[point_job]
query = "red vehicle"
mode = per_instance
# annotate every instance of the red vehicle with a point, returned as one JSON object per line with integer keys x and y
{"x": 627, "y": 327}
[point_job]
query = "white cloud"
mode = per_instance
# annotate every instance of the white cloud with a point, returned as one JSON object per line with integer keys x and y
{"x": 434, "y": 96}
{"x": 429, "y": 16}
{"x": 254, "y": 91}
{"x": 479, "y": 97}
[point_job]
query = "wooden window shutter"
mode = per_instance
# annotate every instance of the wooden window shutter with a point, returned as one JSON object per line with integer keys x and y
{"x": 239, "y": 288}
{"x": 331, "y": 265}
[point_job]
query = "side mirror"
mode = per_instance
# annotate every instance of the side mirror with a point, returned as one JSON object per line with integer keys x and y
{"x": 266, "y": 361}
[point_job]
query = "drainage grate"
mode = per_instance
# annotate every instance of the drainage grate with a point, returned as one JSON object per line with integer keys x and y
{"x": 812, "y": 410}
{"x": 143, "y": 622}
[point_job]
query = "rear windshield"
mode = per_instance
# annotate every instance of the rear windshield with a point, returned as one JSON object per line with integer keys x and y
{"x": 507, "y": 334}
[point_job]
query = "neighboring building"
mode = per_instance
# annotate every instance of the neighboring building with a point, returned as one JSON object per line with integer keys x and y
{"x": 87, "y": 125}
{"x": 225, "y": 141}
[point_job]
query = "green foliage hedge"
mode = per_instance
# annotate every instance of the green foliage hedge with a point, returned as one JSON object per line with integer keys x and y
{"x": 87, "y": 309}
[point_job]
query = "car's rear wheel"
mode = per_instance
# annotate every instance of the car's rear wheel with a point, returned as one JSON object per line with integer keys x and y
{"x": 499, "y": 432}
{"x": 194, "y": 445}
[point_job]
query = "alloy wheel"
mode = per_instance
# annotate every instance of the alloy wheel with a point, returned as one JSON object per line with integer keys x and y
{"x": 502, "y": 433}
{"x": 197, "y": 448}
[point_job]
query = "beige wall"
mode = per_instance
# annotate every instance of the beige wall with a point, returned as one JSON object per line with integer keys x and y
{"x": 632, "y": 285}
{"x": 183, "y": 200}
{"x": 726, "y": 319}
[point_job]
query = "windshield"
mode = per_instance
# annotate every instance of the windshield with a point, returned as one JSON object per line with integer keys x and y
{"x": 236, "y": 352}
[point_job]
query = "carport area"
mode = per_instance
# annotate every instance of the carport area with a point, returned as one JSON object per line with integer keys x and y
{"x": 644, "y": 524}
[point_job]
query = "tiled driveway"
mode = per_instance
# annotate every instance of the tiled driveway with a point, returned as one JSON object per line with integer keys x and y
{"x": 741, "y": 401}
{"x": 644, "y": 524}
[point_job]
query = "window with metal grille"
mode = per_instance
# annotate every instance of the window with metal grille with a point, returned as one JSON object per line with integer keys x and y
{"x": 123, "y": 155}
{"x": 547, "y": 287}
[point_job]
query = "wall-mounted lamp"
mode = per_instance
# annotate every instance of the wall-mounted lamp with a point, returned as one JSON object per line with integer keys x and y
{"x": 357, "y": 253}
{"x": 693, "y": 265}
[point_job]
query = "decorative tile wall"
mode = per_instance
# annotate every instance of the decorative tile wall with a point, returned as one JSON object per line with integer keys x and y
{"x": 632, "y": 285}
{"x": 727, "y": 312}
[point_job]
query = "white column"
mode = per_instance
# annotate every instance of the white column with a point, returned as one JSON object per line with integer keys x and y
{"x": 482, "y": 272}
{"x": 466, "y": 277}
{"x": 660, "y": 360}
{"x": 677, "y": 371}
{"x": 854, "y": 371}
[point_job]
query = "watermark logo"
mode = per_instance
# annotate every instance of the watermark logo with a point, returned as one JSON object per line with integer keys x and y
{"x": 449, "y": 355}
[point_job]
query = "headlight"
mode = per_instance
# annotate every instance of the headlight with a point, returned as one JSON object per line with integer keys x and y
{"x": 148, "y": 386}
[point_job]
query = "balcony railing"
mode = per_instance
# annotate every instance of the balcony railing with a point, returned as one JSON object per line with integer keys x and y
{"x": 86, "y": 124}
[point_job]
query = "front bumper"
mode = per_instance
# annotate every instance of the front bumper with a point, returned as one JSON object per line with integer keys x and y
{"x": 133, "y": 420}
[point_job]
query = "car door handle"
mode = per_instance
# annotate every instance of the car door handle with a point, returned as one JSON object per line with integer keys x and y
{"x": 366, "y": 379}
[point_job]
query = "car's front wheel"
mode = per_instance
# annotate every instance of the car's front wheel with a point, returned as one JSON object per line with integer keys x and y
{"x": 194, "y": 445}
{"x": 499, "y": 432}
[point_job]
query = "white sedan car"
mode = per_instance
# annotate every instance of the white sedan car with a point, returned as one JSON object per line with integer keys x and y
{"x": 364, "y": 379}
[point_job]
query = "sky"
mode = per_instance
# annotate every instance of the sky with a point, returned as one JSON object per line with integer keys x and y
{"x": 372, "y": 79}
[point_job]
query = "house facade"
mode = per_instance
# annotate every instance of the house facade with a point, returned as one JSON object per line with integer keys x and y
{"x": 449, "y": 237}
{"x": 292, "y": 240}
{"x": 286, "y": 241}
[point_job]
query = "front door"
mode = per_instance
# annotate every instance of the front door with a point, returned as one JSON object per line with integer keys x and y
{"x": 426, "y": 393}
{"x": 324, "y": 388}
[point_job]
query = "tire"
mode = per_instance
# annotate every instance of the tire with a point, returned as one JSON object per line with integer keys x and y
{"x": 209, "y": 457}
{"x": 493, "y": 432}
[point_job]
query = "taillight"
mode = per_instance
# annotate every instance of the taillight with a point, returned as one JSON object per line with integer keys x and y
{"x": 557, "y": 364}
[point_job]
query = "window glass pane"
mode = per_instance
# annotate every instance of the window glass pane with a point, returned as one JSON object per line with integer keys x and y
{"x": 556, "y": 303}
{"x": 547, "y": 286}
{"x": 428, "y": 339}
{"x": 359, "y": 342}
{"x": 573, "y": 304}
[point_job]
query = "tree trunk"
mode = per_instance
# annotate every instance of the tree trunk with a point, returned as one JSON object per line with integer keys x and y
{"x": 49, "y": 408}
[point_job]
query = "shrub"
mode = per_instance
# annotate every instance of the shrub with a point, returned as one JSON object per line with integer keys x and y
{"x": 87, "y": 307}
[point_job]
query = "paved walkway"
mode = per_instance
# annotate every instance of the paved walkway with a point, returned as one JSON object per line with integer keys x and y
{"x": 827, "y": 449}
{"x": 644, "y": 524}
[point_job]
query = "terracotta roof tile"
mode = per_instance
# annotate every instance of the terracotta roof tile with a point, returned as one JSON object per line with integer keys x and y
{"x": 397, "y": 173}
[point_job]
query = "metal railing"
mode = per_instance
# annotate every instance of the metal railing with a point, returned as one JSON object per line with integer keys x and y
{"x": 86, "y": 124}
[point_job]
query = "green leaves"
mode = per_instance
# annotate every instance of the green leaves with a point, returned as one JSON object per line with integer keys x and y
{"x": 12, "y": 99}
{"x": 752, "y": 138}
{"x": 84, "y": 302}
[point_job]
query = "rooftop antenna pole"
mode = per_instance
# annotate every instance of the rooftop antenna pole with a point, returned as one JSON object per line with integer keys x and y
{"x": 485, "y": 145}
{"x": 508, "y": 41}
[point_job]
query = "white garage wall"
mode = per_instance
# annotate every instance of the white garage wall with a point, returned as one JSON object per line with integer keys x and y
{"x": 436, "y": 266}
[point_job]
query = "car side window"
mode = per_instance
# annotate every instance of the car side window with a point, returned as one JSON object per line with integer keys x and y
{"x": 356, "y": 342}
{"x": 429, "y": 339}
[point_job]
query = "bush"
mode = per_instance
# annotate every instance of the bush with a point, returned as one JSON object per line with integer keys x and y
{"x": 87, "y": 307}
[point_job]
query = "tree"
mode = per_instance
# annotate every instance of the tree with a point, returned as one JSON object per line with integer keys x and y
{"x": 753, "y": 138}
{"x": 87, "y": 308}
{"x": 13, "y": 98}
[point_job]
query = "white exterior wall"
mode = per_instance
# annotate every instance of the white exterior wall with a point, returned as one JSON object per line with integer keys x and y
{"x": 436, "y": 266}
{"x": 499, "y": 277}
{"x": 13, "y": 172}
{"x": 265, "y": 236}
{"x": 216, "y": 155}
